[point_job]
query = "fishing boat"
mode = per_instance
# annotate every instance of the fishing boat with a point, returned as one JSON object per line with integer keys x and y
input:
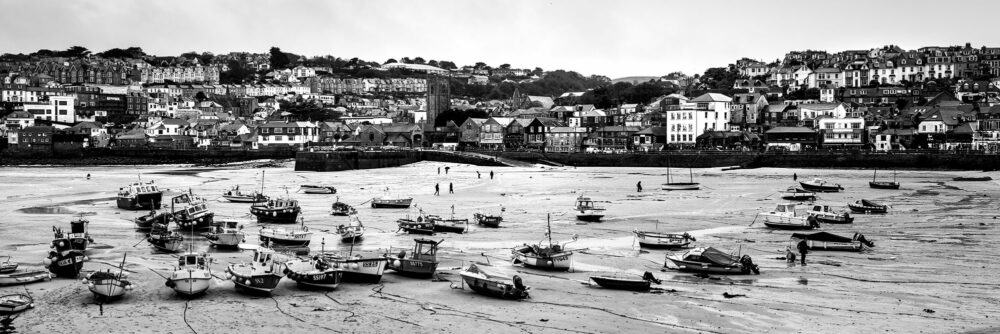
{"x": 486, "y": 280}
{"x": 449, "y": 225}
{"x": 488, "y": 220}
{"x": 625, "y": 281}
{"x": 165, "y": 240}
{"x": 287, "y": 237}
{"x": 342, "y": 209}
{"x": 276, "y": 211}
{"x": 784, "y": 217}
{"x": 421, "y": 261}
{"x": 14, "y": 303}
{"x": 866, "y": 206}
{"x": 358, "y": 268}
{"x": 315, "y": 272}
{"x": 145, "y": 222}
{"x": 78, "y": 236}
{"x": 709, "y": 260}
{"x": 236, "y": 195}
{"x": 106, "y": 285}
{"x": 690, "y": 185}
{"x": 833, "y": 242}
{"x": 587, "y": 210}
{"x": 972, "y": 178}
{"x": 820, "y": 185}
{"x": 191, "y": 212}
{"x": 25, "y": 277}
{"x": 825, "y": 215}
{"x": 192, "y": 276}
{"x": 353, "y": 231}
{"x": 419, "y": 225}
{"x": 883, "y": 184}
{"x": 798, "y": 194}
{"x": 226, "y": 234}
{"x": 317, "y": 189}
{"x": 551, "y": 256}
{"x": 63, "y": 260}
{"x": 7, "y": 267}
{"x": 389, "y": 201}
{"x": 649, "y": 239}
{"x": 260, "y": 275}
{"x": 140, "y": 196}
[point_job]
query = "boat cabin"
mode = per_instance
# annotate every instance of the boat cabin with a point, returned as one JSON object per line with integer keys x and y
{"x": 263, "y": 256}
{"x": 78, "y": 226}
{"x": 190, "y": 259}
{"x": 138, "y": 188}
{"x": 280, "y": 203}
{"x": 585, "y": 203}
{"x": 822, "y": 208}
{"x": 424, "y": 250}
{"x": 785, "y": 207}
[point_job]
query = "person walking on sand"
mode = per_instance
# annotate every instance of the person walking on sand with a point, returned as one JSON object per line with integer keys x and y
{"x": 451, "y": 188}
{"x": 437, "y": 189}
{"x": 439, "y": 170}
{"x": 638, "y": 187}
{"x": 491, "y": 175}
{"x": 478, "y": 176}
{"x": 446, "y": 168}
{"x": 803, "y": 247}
{"x": 795, "y": 177}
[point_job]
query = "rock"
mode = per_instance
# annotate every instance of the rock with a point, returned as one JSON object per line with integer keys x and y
{"x": 928, "y": 310}
{"x": 544, "y": 320}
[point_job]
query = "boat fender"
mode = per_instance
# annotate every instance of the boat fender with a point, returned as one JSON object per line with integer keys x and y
{"x": 47, "y": 261}
{"x": 170, "y": 284}
{"x": 90, "y": 285}
{"x": 84, "y": 281}
{"x": 395, "y": 263}
{"x": 355, "y": 266}
{"x": 517, "y": 283}
{"x": 247, "y": 282}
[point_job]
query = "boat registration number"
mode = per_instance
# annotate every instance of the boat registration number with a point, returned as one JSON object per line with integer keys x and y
{"x": 258, "y": 280}
{"x": 67, "y": 262}
{"x": 370, "y": 264}
{"x": 560, "y": 258}
{"x": 319, "y": 277}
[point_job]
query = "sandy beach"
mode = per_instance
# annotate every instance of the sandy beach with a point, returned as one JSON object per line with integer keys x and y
{"x": 933, "y": 269}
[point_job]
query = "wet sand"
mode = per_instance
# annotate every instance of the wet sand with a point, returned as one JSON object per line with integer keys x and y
{"x": 933, "y": 269}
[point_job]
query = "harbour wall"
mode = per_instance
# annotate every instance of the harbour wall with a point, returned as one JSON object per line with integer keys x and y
{"x": 100, "y": 156}
{"x": 334, "y": 161}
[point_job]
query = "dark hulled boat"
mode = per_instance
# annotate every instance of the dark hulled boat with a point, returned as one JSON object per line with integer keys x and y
{"x": 486, "y": 280}
{"x": 276, "y": 211}
{"x": 488, "y": 220}
{"x": 63, "y": 260}
{"x": 342, "y": 209}
{"x": 621, "y": 281}
{"x": 260, "y": 275}
{"x": 552, "y": 256}
{"x": 358, "y": 268}
{"x": 973, "y": 178}
{"x": 866, "y": 206}
{"x": 78, "y": 236}
{"x": 316, "y": 272}
{"x": 389, "y": 201}
{"x": 146, "y": 222}
{"x": 797, "y": 194}
{"x": 875, "y": 184}
{"x": 191, "y": 212}
{"x": 420, "y": 262}
{"x": 140, "y": 196}
{"x": 833, "y": 242}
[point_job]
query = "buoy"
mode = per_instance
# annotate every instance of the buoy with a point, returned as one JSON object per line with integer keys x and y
{"x": 247, "y": 282}
{"x": 84, "y": 281}
{"x": 395, "y": 263}
{"x": 47, "y": 261}
{"x": 355, "y": 265}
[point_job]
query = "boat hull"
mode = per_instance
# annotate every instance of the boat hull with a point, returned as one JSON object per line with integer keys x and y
{"x": 681, "y": 186}
{"x": 451, "y": 227}
{"x": 590, "y": 217}
{"x": 391, "y": 203}
{"x": 815, "y": 245}
{"x": 972, "y": 179}
{"x": 557, "y": 262}
{"x": 820, "y": 188}
{"x": 488, "y": 221}
{"x": 15, "y": 303}
{"x": 834, "y": 219}
{"x": 306, "y": 274}
{"x": 108, "y": 289}
{"x": 276, "y": 216}
{"x": 146, "y": 222}
{"x": 148, "y": 201}
{"x": 621, "y": 284}
{"x": 788, "y": 226}
{"x": 867, "y": 209}
{"x": 286, "y": 242}
{"x": 706, "y": 268}
{"x": 257, "y": 283}
{"x": 24, "y": 278}
{"x": 883, "y": 185}
{"x": 199, "y": 222}
{"x": 66, "y": 265}
{"x": 190, "y": 283}
{"x": 653, "y": 240}
{"x": 360, "y": 270}
{"x": 493, "y": 288}
{"x": 409, "y": 267}
{"x": 171, "y": 244}
{"x": 225, "y": 240}
{"x": 244, "y": 199}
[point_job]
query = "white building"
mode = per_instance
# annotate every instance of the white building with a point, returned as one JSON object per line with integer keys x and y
{"x": 287, "y": 133}
{"x": 710, "y": 113}
{"x": 841, "y": 131}
{"x": 53, "y": 108}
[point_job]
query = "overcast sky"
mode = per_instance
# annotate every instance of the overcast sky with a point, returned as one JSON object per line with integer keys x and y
{"x": 613, "y": 38}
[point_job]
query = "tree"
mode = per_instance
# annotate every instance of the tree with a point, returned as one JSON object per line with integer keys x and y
{"x": 433, "y": 62}
{"x": 505, "y": 66}
{"x": 419, "y": 60}
{"x": 538, "y": 71}
{"x": 206, "y": 58}
{"x": 390, "y": 61}
{"x": 76, "y": 52}
{"x": 200, "y": 96}
{"x": 480, "y": 65}
{"x": 447, "y": 65}
{"x": 190, "y": 55}
{"x": 278, "y": 59}
{"x": 406, "y": 60}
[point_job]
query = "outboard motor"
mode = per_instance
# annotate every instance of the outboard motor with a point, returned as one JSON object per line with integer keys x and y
{"x": 649, "y": 277}
{"x": 747, "y": 263}
{"x": 861, "y": 237}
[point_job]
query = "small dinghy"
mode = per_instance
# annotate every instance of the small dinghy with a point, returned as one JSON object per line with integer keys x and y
{"x": 866, "y": 206}
{"x": 833, "y": 242}
{"x": 825, "y": 215}
{"x": 487, "y": 280}
{"x": 798, "y": 194}
{"x": 262, "y": 274}
{"x": 624, "y": 281}
{"x": 15, "y": 303}
{"x": 24, "y": 277}
{"x": 147, "y": 221}
{"x": 420, "y": 262}
{"x": 106, "y": 285}
{"x": 317, "y": 189}
{"x": 973, "y": 178}
{"x": 711, "y": 261}
{"x": 820, "y": 185}
{"x": 351, "y": 232}
{"x": 649, "y": 239}
{"x": 876, "y": 184}
{"x": 550, "y": 256}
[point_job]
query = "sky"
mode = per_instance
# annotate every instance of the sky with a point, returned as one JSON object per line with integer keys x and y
{"x": 612, "y": 38}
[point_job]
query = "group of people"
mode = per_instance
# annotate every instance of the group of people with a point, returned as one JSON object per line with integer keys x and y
{"x": 451, "y": 186}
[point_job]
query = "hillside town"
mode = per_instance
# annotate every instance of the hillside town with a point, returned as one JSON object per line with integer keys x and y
{"x": 881, "y": 99}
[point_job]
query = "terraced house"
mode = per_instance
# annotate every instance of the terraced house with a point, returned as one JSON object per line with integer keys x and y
{"x": 278, "y": 133}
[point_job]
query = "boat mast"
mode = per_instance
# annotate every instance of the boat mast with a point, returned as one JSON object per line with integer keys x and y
{"x": 262, "y": 181}
{"x": 690, "y": 175}
{"x": 548, "y": 224}
{"x": 874, "y": 174}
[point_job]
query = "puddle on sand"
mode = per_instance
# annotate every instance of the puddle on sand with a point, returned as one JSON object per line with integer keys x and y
{"x": 47, "y": 210}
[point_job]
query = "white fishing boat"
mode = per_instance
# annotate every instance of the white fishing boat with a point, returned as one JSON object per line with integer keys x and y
{"x": 358, "y": 268}
{"x": 587, "y": 209}
{"x": 262, "y": 274}
{"x": 192, "y": 276}
{"x": 353, "y": 231}
{"x": 106, "y": 285}
{"x": 784, "y": 217}
{"x": 653, "y": 239}
{"x": 288, "y": 237}
{"x": 228, "y": 234}
{"x": 390, "y": 201}
{"x": 551, "y": 256}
